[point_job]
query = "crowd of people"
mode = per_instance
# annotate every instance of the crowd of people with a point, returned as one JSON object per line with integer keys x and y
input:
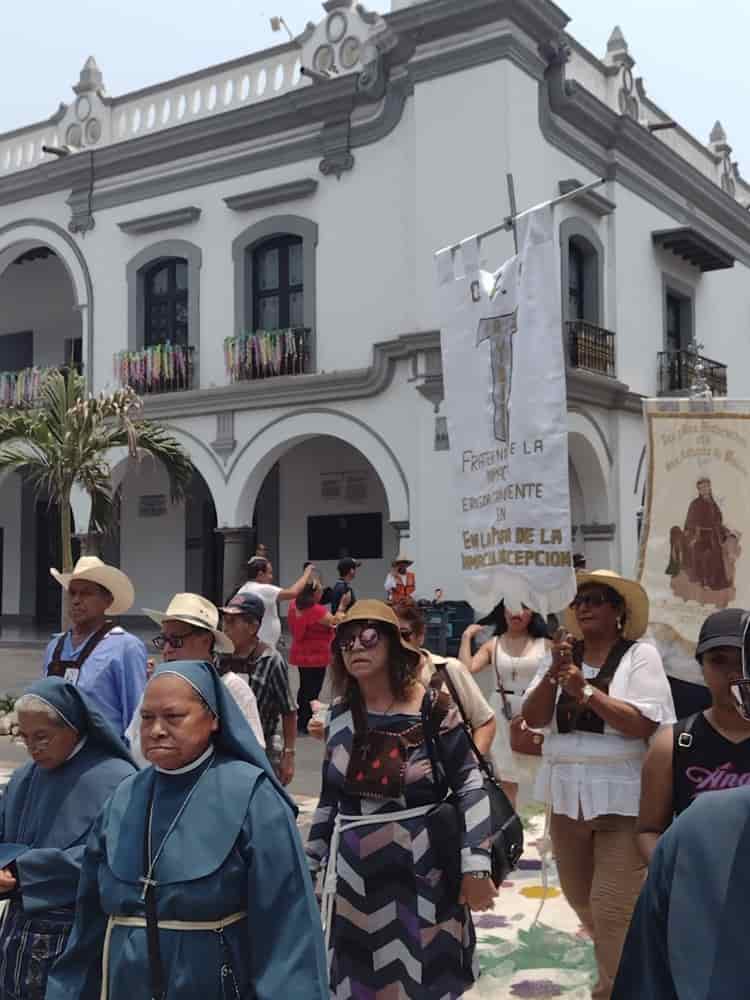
{"x": 149, "y": 846}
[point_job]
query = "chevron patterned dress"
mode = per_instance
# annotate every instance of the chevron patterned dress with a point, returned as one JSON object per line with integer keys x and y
{"x": 397, "y": 931}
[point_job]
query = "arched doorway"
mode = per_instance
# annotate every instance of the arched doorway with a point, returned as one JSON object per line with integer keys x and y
{"x": 591, "y": 515}
{"x": 322, "y": 500}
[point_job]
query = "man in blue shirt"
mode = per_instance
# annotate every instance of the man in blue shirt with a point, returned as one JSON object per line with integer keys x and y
{"x": 101, "y": 658}
{"x": 347, "y": 571}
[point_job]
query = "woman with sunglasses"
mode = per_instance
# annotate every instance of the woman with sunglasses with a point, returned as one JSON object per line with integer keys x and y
{"x": 601, "y": 697}
{"x": 373, "y": 830}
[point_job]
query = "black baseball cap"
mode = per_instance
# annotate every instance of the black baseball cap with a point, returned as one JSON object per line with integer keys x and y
{"x": 347, "y": 565}
{"x": 723, "y": 628}
{"x": 245, "y": 604}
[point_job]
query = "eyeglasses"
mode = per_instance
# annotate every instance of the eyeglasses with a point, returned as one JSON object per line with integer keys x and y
{"x": 175, "y": 641}
{"x": 42, "y": 743}
{"x": 367, "y": 633}
{"x": 593, "y": 600}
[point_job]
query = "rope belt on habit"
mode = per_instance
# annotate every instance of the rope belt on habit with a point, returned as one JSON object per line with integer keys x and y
{"x": 164, "y": 925}
{"x": 342, "y": 825}
{"x": 545, "y": 845}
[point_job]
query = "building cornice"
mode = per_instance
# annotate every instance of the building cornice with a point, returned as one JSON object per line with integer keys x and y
{"x": 591, "y": 389}
{"x": 162, "y": 220}
{"x": 263, "y": 197}
{"x": 611, "y": 145}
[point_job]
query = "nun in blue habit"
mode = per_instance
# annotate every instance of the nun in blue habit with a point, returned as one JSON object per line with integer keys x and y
{"x": 194, "y": 884}
{"x": 46, "y": 816}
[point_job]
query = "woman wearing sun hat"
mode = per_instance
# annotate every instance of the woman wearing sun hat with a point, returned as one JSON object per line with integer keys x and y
{"x": 600, "y": 696}
{"x": 395, "y": 924}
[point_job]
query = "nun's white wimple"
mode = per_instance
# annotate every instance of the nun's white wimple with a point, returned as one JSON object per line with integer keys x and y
{"x": 176, "y": 673}
{"x": 55, "y": 709}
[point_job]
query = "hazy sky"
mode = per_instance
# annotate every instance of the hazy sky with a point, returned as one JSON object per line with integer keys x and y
{"x": 692, "y": 55}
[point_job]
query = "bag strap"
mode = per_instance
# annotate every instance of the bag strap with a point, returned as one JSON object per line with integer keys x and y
{"x": 484, "y": 765}
{"x": 682, "y": 740}
{"x": 500, "y": 686}
{"x": 432, "y": 742}
{"x": 153, "y": 943}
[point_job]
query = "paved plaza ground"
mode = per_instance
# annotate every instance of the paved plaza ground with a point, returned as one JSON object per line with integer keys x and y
{"x": 518, "y": 958}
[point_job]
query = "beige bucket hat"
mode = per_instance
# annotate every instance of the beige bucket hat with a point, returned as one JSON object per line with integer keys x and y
{"x": 194, "y": 610}
{"x": 632, "y": 593}
{"x": 401, "y": 558}
{"x": 112, "y": 579}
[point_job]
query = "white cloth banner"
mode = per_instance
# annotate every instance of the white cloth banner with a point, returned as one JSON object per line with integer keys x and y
{"x": 505, "y": 392}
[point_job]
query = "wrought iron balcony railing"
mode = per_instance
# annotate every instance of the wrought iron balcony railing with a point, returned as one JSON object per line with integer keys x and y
{"x": 267, "y": 354}
{"x": 160, "y": 368}
{"x": 590, "y": 347}
{"x": 677, "y": 373}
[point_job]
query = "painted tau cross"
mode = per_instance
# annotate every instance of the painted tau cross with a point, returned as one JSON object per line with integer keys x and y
{"x": 499, "y": 330}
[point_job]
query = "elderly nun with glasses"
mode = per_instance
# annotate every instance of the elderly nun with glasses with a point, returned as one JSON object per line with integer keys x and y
{"x": 601, "y": 695}
{"x": 397, "y": 925}
{"x": 194, "y": 884}
{"x": 46, "y": 815}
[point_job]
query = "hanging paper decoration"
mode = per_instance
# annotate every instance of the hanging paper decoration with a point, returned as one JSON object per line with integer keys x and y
{"x": 266, "y": 353}
{"x": 162, "y": 368}
{"x": 21, "y": 388}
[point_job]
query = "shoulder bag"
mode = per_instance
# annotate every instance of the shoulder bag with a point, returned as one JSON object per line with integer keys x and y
{"x": 522, "y": 739}
{"x": 445, "y": 822}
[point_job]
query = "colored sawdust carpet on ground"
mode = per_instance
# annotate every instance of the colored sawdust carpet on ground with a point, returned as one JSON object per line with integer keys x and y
{"x": 518, "y": 957}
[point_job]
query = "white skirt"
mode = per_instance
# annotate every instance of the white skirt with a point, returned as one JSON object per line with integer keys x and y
{"x": 519, "y": 768}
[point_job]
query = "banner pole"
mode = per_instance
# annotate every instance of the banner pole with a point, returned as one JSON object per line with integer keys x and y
{"x": 513, "y": 208}
{"x": 508, "y": 225}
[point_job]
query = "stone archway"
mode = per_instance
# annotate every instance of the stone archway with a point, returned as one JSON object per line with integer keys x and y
{"x": 592, "y": 510}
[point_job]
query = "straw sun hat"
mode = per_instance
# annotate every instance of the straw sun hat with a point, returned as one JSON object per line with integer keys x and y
{"x": 632, "y": 593}
{"x": 377, "y": 611}
{"x": 91, "y": 568}
{"x": 197, "y": 611}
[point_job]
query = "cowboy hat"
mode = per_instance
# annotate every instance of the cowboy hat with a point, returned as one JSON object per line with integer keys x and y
{"x": 401, "y": 558}
{"x": 114, "y": 580}
{"x": 197, "y": 611}
{"x": 377, "y": 611}
{"x": 632, "y": 593}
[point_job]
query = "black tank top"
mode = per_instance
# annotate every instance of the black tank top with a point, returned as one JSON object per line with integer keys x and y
{"x": 705, "y": 761}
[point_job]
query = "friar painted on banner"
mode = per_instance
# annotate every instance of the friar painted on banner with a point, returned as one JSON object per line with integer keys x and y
{"x": 692, "y": 559}
{"x": 703, "y": 554}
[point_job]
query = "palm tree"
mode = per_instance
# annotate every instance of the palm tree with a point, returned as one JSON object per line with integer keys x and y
{"x": 64, "y": 442}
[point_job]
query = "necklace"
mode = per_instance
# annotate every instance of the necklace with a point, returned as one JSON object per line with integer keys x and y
{"x": 514, "y": 660}
{"x": 387, "y": 710}
{"x": 148, "y": 880}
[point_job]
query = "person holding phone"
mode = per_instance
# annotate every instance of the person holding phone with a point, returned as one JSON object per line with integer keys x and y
{"x": 600, "y": 696}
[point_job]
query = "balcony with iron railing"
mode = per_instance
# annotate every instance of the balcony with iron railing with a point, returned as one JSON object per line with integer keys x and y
{"x": 263, "y": 354}
{"x": 22, "y": 389}
{"x": 590, "y": 348}
{"x": 679, "y": 372}
{"x": 157, "y": 369}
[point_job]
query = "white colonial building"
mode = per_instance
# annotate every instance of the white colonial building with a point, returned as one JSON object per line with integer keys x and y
{"x": 187, "y": 218}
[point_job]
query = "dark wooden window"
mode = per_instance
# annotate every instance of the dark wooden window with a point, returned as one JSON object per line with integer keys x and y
{"x": 166, "y": 302}
{"x": 16, "y": 351}
{"x": 678, "y": 332}
{"x": 576, "y": 282}
{"x": 334, "y": 536}
{"x": 278, "y": 284}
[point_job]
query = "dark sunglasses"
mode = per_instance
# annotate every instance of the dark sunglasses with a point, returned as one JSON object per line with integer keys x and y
{"x": 175, "y": 641}
{"x": 368, "y": 633}
{"x": 406, "y": 633}
{"x": 593, "y": 600}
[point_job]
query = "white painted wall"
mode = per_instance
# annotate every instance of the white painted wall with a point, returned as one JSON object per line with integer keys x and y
{"x": 152, "y": 549}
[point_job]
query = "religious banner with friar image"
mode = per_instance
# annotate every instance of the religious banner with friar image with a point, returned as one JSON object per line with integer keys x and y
{"x": 505, "y": 394}
{"x": 694, "y": 544}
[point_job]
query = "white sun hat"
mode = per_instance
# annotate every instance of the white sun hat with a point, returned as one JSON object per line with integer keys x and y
{"x": 91, "y": 568}
{"x": 194, "y": 610}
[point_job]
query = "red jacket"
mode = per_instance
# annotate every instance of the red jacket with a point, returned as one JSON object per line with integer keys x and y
{"x": 311, "y": 640}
